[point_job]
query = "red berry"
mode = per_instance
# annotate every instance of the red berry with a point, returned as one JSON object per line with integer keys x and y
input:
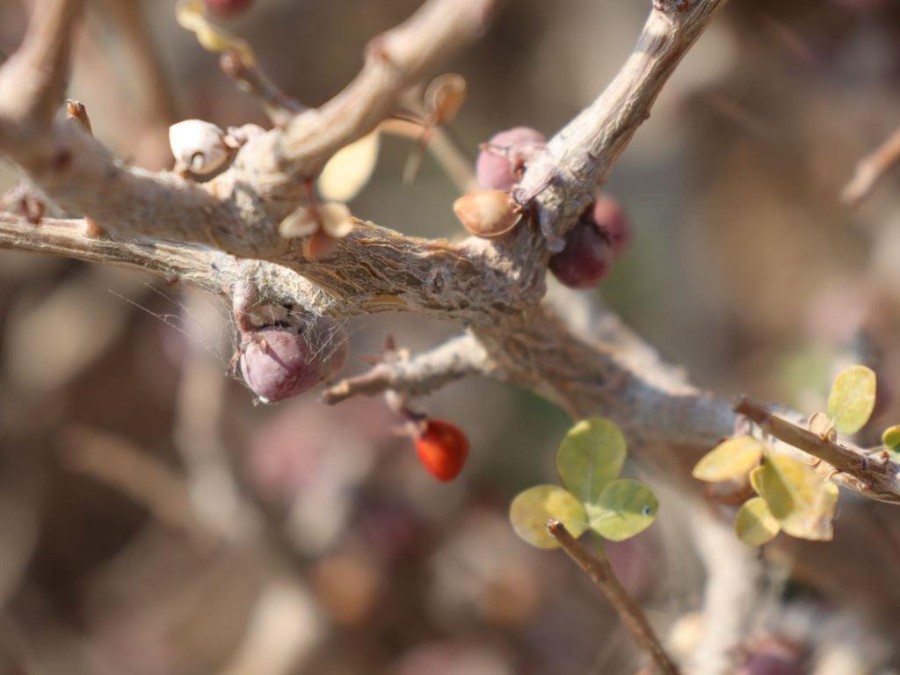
{"x": 585, "y": 260}
{"x": 227, "y": 7}
{"x": 612, "y": 222}
{"x": 442, "y": 448}
{"x": 500, "y": 163}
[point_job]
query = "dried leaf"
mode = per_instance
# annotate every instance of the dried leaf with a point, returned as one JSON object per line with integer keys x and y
{"x": 729, "y": 460}
{"x": 301, "y": 222}
{"x": 336, "y": 219}
{"x": 445, "y": 96}
{"x": 350, "y": 169}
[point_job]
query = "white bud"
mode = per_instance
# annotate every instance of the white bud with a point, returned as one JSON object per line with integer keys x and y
{"x": 198, "y": 146}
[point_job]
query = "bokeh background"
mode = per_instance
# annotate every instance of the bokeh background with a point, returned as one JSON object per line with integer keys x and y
{"x": 153, "y": 520}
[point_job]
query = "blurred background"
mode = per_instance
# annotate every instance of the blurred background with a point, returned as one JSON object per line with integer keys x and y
{"x": 153, "y": 520}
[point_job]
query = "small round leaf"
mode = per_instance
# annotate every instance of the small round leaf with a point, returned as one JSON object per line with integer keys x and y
{"x": 852, "y": 399}
{"x": 734, "y": 458}
{"x": 590, "y": 456}
{"x": 755, "y": 525}
{"x": 625, "y": 508}
{"x": 891, "y": 437}
{"x": 800, "y": 499}
{"x": 531, "y": 510}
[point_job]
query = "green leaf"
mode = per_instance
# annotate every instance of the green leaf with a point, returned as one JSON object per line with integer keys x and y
{"x": 729, "y": 460}
{"x": 531, "y": 509}
{"x": 852, "y": 399}
{"x": 800, "y": 499}
{"x": 590, "y": 456}
{"x": 624, "y": 508}
{"x": 891, "y": 437}
{"x": 755, "y": 525}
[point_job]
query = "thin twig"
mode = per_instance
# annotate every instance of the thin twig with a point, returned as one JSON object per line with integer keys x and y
{"x": 871, "y": 169}
{"x": 599, "y": 571}
{"x": 250, "y": 77}
{"x": 455, "y": 163}
{"x": 417, "y": 375}
{"x": 875, "y": 476}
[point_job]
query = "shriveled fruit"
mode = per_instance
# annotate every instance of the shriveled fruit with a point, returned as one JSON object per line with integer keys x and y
{"x": 278, "y": 363}
{"x": 503, "y": 158}
{"x": 612, "y": 221}
{"x": 585, "y": 260}
{"x": 442, "y": 449}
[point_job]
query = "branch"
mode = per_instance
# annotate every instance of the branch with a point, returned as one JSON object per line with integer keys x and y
{"x": 875, "y": 476}
{"x": 870, "y": 170}
{"x": 733, "y": 597}
{"x": 395, "y": 60}
{"x": 601, "y": 573}
{"x": 33, "y": 80}
{"x": 210, "y": 270}
{"x": 250, "y": 77}
{"x": 581, "y": 155}
{"x": 416, "y": 375}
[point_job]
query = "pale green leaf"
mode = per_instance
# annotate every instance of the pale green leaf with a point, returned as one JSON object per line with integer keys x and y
{"x": 625, "y": 508}
{"x": 755, "y": 525}
{"x": 531, "y": 510}
{"x": 729, "y": 460}
{"x": 852, "y": 399}
{"x": 891, "y": 437}
{"x": 799, "y": 498}
{"x": 590, "y": 456}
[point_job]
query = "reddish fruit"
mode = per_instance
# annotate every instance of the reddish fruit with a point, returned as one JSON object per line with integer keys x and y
{"x": 501, "y": 162}
{"x": 442, "y": 448}
{"x": 585, "y": 260}
{"x": 227, "y": 7}
{"x": 278, "y": 363}
{"x": 612, "y": 221}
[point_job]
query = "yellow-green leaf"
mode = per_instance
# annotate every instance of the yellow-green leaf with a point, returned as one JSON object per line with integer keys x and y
{"x": 351, "y": 167}
{"x": 625, "y": 508}
{"x": 590, "y": 456}
{"x": 891, "y": 437}
{"x": 799, "y": 498}
{"x": 852, "y": 399}
{"x": 729, "y": 460}
{"x": 191, "y": 15}
{"x": 531, "y": 510}
{"x": 755, "y": 525}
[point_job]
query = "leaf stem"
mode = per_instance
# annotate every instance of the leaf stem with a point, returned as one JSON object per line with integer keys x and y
{"x": 599, "y": 571}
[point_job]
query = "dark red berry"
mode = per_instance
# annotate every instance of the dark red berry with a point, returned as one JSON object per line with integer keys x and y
{"x": 585, "y": 260}
{"x": 442, "y": 449}
{"x": 227, "y": 7}
{"x": 503, "y": 158}
{"x": 612, "y": 221}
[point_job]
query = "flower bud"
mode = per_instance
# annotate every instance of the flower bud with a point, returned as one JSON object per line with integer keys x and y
{"x": 198, "y": 146}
